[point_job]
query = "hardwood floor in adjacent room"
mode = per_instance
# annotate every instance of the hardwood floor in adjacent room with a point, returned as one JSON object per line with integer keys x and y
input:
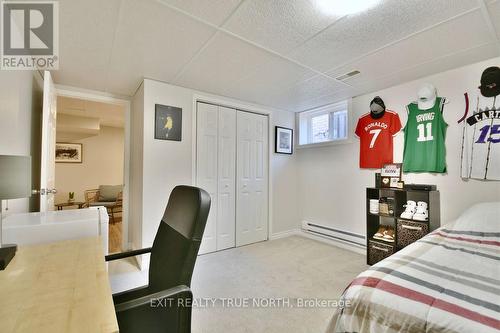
{"x": 115, "y": 236}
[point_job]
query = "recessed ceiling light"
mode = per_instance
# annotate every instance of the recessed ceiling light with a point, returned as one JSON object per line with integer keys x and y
{"x": 345, "y": 7}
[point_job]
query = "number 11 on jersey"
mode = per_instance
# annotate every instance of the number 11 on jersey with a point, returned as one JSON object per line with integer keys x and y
{"x": 425, "y": 132}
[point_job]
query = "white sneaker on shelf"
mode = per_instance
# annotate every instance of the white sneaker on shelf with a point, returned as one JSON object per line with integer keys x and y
{"x": 422, "y": 212}
{"x": 411, "y": 207}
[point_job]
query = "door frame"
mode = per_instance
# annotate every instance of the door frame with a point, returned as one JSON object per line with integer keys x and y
{"x": 97, "y": 96}
{"x": 246, "y": 107}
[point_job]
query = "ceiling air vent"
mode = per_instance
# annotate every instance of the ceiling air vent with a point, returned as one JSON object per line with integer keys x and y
{"x": 348, "y": 75}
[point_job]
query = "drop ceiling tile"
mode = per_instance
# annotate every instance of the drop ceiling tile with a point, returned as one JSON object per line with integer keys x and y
{"x": 306, "y": 90}
{"x": 421, "y": 48}
{"x": 108, "y": 114}
{"x": 340, "y": 95}
{"x": 494, "y": 10}
{"x": 273, "y": 76}
{"x": 213, "y": 11}
{"x": 359, "y": 34}
{"x": 222, "y": 63}
{"x": 85, "y": 42}
{"x": 316, "y": 86}
{"x": 152, "y": 41}
{"x": 279, "y": 25}
{"x": 435, "y": 66}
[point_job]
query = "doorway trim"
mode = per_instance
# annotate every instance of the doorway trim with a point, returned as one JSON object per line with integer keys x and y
{"x": 246, "y": 107}
{"x": 97, "y": 96}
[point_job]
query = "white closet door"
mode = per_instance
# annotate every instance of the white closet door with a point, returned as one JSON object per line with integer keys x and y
{"x": 252, "y": 175}
{"x": 226, "y": 209}
{"x": 206, "y": 168}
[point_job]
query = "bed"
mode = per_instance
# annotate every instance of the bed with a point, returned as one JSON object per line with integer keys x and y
{"x": 448, "y": 281}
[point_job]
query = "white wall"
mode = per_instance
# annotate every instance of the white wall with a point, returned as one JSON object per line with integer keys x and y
{"x": 170, "y": 163}
{"x": 285, "y": 197}
{"x": 102, "y": 165}
{"x": 332, "y": 187}
{"x": 20, "y": 110}
{"x": 136, "y": 169}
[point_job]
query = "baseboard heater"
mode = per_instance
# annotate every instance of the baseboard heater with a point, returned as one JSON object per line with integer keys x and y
{"x": 346, "y": 237}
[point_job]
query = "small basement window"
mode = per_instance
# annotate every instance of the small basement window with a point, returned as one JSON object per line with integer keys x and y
{"x": 325, "y": 124}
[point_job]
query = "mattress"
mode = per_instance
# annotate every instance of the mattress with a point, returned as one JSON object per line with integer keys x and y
{"x": 448, "y": 281}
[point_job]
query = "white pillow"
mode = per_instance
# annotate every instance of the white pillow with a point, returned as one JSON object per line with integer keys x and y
{"x": 483, "y": 217}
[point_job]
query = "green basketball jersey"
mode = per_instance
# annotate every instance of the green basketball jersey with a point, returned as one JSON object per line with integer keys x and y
{"x": 425, "y": 133}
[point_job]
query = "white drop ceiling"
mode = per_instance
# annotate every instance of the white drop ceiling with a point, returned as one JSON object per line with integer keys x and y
{"x": 110, "y": 115}
{"x": 281, "y": 53}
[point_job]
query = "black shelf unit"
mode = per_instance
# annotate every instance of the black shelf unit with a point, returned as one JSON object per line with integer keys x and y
{"x": 377, "y": 250}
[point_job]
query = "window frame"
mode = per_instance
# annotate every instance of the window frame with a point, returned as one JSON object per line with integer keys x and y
{"x": 327, "y": 109}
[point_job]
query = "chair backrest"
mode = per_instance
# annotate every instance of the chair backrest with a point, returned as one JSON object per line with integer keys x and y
{"x": 119, "y": 200}
{"x": 91, "y": 195}
{"x": 178, "y": 239}
{"x": 109, "y": 193}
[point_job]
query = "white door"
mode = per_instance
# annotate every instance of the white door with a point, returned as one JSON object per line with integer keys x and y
{"x": 252, "y": 175}
{"x": 226, "y": 208}
{"x": 206, "y": 168}
{"x": 49, "y": 114}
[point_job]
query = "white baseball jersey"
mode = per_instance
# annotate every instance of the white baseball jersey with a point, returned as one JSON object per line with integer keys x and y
{"x": 481, "y": 138}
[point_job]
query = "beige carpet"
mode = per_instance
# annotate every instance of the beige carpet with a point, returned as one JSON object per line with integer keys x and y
{"x": 284, "y": 270}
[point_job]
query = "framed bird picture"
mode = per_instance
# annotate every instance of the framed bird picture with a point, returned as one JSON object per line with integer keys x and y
{"x": 168, "y": 122}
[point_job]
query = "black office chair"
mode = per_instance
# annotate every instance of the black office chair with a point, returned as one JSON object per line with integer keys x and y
{"x": 164, "y": 304}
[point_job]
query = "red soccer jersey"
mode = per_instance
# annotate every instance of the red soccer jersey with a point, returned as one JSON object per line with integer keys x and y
{"x": 376, "y": 139}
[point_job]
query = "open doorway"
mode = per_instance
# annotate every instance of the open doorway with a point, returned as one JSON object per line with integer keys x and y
{"x": 90, "y": 160}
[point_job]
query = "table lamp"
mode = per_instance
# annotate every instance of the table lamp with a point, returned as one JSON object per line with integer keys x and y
{"x": 15, "y": 182}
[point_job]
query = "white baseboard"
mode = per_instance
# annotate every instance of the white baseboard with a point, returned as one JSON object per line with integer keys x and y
{"x": 284, "y": 234}
{"x": 333, "y": 242}
{"x": 329, "y": 241}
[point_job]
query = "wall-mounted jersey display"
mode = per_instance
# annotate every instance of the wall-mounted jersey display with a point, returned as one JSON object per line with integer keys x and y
{"x": 481, "y": 129}
{"x": 425, "y": 131}
{"x": 375, "y": 131}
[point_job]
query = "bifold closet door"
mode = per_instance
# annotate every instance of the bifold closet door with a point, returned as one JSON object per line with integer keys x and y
{"x": 216, "y": 173}
{"x": 226, "y": 200}
{"x": 206, "y": 167}
{"x": 252, "y": 178}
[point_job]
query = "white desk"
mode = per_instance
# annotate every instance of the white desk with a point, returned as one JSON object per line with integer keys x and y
{"x": 57, "y": 287}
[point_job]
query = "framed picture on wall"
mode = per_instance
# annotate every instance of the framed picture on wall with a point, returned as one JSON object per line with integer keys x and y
{"x": 168, "y": 122}
{"x": 284, "y": 140}
{"x": 69, "y": 152}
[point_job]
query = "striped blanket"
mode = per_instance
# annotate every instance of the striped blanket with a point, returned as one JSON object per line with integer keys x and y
{"x": 449, "y": 281}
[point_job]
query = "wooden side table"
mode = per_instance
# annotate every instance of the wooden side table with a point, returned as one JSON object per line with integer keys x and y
{"x": 61, "y": 205}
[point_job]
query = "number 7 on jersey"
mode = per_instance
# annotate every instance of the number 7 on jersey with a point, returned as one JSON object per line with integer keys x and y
{"x": 375, "y": 133}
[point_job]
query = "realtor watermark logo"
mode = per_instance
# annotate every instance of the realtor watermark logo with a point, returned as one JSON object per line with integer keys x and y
{"x": 30, "y": 35}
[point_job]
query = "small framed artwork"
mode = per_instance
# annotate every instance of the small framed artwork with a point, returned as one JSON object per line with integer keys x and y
{"x": 168, "y": 122}
{"x": 284, "y": 140}
{"x": 69, "y": 152}
{"x": 391, "y": 175}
